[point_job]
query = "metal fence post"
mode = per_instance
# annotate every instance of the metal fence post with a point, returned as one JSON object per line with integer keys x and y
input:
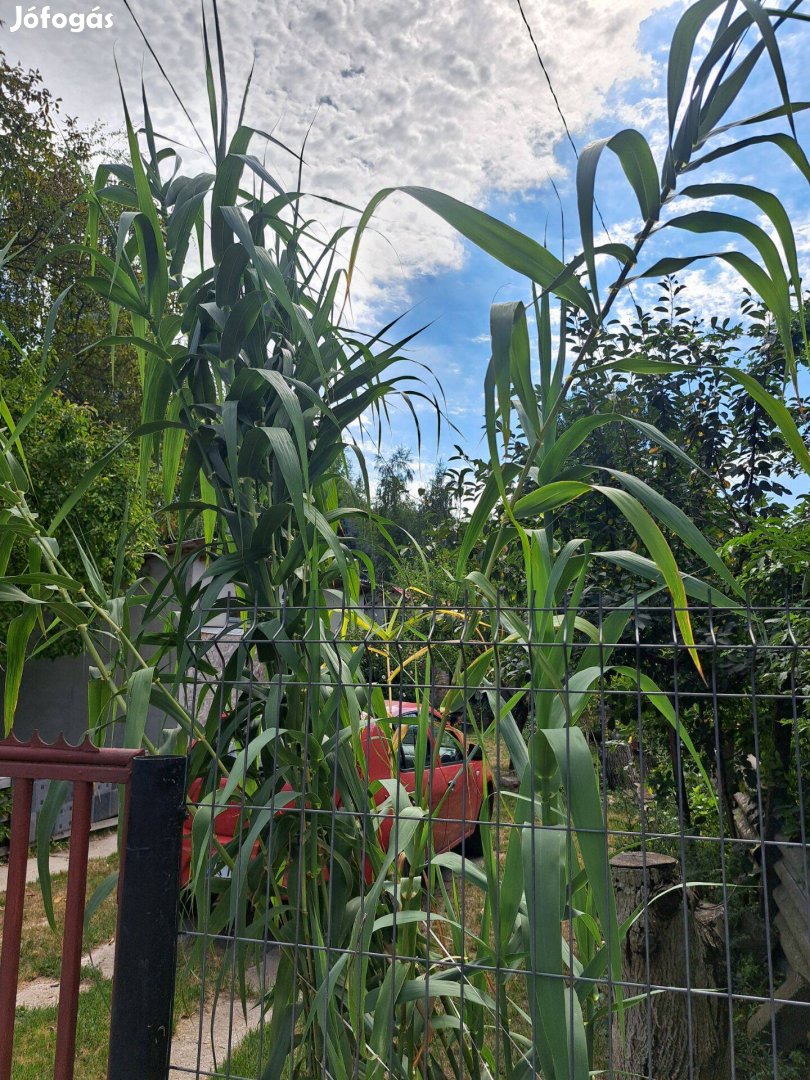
{"x": 146, "y": 945}
{"x": 13, "y": 920}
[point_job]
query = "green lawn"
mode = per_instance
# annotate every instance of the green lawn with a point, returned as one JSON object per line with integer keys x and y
{"x": 40, "y": 956}
{"x": 35, "y": 1029}
{"x": 245, "y": 1060}
{"x": 35, "y": 1037}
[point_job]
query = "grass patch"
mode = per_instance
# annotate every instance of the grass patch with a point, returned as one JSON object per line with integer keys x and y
{"x": 40, "y": 956}
{"x": 250, "y": 1056}
{"x": 35, "y": 1029}
{"x": 35, "y": 1037}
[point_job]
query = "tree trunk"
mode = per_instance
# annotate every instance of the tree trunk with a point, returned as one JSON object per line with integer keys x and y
{"x": 681, "y": 794}
{"x": 620, "y": 772}
{"x": 666, "y": 1030}
{"x": 440, "y": 684}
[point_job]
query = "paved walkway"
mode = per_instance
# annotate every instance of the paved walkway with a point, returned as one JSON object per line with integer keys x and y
{"x": 202, "y": 1042}
{"x": 44, "y": 993}
{"x": 100, "y": 847}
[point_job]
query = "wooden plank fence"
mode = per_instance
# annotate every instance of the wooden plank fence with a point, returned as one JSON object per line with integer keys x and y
{"x": 791, "y": 897}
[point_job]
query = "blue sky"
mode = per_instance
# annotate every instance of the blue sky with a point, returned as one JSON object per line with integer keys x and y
{"x": 447, "y": 95}
{"x": 456, "y": 344}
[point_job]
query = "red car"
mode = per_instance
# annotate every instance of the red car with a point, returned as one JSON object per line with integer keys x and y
{"x": 456, "y": 789}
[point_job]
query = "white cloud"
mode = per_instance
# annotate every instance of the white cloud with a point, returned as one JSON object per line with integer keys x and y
{"x": 648, "y": 115}
{"x": 717, "y": 290}
{"x": 446, "y": 95}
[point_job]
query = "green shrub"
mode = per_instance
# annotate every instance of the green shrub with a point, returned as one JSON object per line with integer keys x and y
{"x": 60, "y": 445}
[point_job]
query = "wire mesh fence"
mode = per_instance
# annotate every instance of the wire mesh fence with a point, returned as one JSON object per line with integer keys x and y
{"x": 466, "y": 841}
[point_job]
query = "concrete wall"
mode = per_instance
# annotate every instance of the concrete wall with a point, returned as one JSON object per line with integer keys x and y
{"x": 53, "y": 701}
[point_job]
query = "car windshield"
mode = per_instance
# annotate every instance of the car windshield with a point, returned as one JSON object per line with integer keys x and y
{"x": 407, "y": 748}
{"x": 450, "y": 751}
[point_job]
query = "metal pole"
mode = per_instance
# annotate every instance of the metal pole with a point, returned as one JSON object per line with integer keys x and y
{"x": 72, "y": 936}
{"x": 12, "y": 921}
{"x": 146, "y": 943}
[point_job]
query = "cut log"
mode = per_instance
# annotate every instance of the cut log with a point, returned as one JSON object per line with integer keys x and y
{"x": 795, "y": 859}
{"x": 656, "y": 1040}
{"x": 507, "y": 780}
{"x": 796, "y": 890}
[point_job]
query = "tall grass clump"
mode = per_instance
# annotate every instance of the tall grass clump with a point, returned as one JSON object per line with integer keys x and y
{"x": 251, "y": 387}
{"x": 555, "y": 873}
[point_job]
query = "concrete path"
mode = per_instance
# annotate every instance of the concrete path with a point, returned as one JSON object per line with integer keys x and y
{"x": 100, "y": 847}
{"x": 44, "y": 993}
{"x": 201, "y": 1044}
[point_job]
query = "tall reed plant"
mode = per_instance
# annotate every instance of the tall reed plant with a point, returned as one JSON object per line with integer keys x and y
{"x": 251, "y": 386}
{"x": 555, "y": 872}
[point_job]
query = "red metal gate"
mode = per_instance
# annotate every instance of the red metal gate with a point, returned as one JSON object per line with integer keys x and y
{"x": 153, "y": 810}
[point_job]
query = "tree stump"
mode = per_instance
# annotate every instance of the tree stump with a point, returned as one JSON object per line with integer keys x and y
{"x": 439, "y": 687}
{"x": 656, "y": 1041}
{"x": 620, "y": 772}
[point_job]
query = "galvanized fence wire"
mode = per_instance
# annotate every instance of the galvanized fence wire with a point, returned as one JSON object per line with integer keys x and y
{"x": 700, "y": 764}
